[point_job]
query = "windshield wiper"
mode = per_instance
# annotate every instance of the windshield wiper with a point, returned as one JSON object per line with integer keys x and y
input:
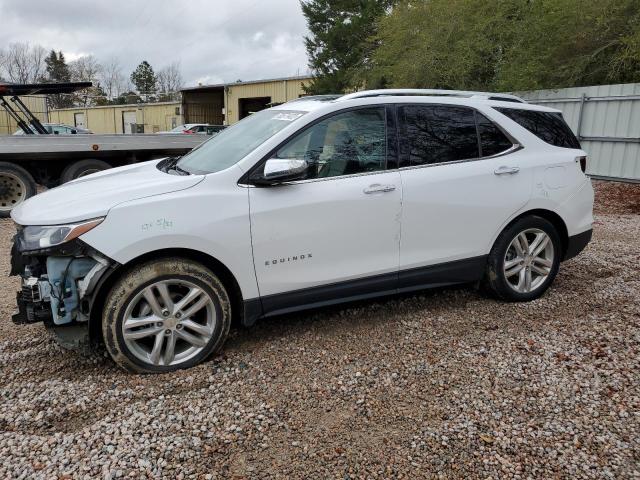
{"x": 170, "y": 165}
{"x": 181, "y": 170}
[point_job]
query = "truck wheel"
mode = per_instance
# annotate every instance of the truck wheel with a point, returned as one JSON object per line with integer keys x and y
{"x": 82, "y": 168}
{"x": 165, "y": 315}
{"x": 16, "y": 185}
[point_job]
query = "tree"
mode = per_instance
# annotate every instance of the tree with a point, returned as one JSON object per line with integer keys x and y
{"x": 58, "y": 71}
{"x": 169, "y": 81}
{"x": 568, "y": 43}
{"x": 22, "y": 62}
{"x": 506, "y": 45}
{"x": 111, "y": 79}
{"x": 85, "y": 69}
{"x": 144, "y": 79}
{"x": 88, "y": 69}
{"x": 127, "y": 98}
{"x": 339, "y": 44}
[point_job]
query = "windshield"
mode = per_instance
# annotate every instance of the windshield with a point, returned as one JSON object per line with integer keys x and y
{"x": 178, "y": 129}
{"x": 232, "y": 144}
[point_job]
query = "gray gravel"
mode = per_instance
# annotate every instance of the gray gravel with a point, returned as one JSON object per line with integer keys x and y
{"x": 445, "y": 384}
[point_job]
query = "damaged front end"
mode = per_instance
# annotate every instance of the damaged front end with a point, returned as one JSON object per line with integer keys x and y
{"x": 59, "y": 275}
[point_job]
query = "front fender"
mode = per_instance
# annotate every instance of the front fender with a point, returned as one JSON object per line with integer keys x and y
{"x": 212, "y": 221}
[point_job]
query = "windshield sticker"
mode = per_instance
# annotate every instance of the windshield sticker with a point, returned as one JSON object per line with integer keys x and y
{"x": 287, "y": 117}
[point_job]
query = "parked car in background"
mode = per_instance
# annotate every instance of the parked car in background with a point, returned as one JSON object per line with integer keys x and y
{"x": 58, "y": 129}
{"x": 196, "y": 128}
{"x": 301, "y": 206}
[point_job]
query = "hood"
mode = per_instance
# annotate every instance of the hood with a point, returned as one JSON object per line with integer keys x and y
{"x": 94, "y": 195}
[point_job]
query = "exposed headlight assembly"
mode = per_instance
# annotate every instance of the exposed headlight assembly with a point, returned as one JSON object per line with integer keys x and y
{"x": 38, "y": 237}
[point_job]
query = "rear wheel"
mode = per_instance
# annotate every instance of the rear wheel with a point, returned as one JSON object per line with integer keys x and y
{"x": 82, "y": 168}
{"x": 16, "y": 185}
{"x": 524, "y": 260}
{"x": 166, "y": 315}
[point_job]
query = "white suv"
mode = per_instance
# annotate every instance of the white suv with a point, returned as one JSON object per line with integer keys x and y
{"x": 313, "y": 202}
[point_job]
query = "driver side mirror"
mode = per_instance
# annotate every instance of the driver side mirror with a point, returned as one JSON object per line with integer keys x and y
{"x": 278, "y": 170}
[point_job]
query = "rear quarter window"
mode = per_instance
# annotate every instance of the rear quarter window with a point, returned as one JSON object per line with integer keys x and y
{"x": 547, "y": 126}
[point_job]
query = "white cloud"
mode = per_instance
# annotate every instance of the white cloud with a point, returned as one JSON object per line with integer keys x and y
{"x": 214, "y": 40}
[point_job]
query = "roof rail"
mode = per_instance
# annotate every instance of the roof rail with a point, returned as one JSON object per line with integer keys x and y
{"x": 505, "y": 97}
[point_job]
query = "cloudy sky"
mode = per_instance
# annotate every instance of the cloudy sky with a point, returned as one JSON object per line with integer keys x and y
{"x": 214, "y": 40}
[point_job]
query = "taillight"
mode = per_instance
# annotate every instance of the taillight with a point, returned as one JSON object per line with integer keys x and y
{"x": 583, "y": 163}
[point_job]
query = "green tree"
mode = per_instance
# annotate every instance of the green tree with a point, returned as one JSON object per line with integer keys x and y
{"x": 144, "y": 78}
{"x": 506, "y": 44}
{"x": 57, "y": 68}
{"x": 568, "y": 43}
{"x": 58, "y": 72}
{"x": 339, "y": 44}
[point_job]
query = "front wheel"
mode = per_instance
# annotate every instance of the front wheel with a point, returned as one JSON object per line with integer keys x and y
{"x": 524, "y": 260}
{"x": 165, "y": 315}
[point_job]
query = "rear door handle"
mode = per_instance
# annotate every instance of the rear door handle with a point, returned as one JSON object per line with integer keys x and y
{"x": 377, "y": 188}
{"x": 504, "y": 170}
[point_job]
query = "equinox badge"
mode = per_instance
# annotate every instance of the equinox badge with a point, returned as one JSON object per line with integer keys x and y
{"x": 295, "y": 258}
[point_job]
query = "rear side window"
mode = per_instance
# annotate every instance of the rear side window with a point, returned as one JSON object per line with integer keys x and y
{"x": 438, "y": 134}
{"x": 492, "y": 140}
{"x": 548, "y": 127}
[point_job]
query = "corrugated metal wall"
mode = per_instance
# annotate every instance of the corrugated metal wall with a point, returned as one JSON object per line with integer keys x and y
{"x": 36, "y": 103}
{"x": 108, "y": 119}
{"x": 279, "y": 91}
{"x": 606, "y": 119}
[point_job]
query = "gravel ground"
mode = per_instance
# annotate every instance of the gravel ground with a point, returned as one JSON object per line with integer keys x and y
{"x": 443, "y": 384}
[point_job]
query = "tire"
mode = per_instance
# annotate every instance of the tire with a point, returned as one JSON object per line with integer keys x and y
{"x": 16, "y": 185}
{"x": 81, "y": 168}
{"x": 132, "y": 344}
{"x": 526, "y": 277}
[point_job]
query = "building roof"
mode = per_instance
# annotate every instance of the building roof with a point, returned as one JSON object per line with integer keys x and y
{"x": 248, "y": 82}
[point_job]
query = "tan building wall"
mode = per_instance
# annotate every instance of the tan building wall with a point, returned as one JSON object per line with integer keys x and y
{"x": 155, "y": 117}
{"x": 37, "y": 104}
{"x": 279, "y": 91}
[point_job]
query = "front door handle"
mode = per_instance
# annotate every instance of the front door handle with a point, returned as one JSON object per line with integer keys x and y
{"x": 377, "y": 188}
{"x": 504, "y": 170}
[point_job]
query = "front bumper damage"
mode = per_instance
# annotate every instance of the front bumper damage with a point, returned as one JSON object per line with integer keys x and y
{"x": 58, "y": 285}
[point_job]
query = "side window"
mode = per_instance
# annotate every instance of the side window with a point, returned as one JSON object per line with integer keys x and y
{"x": 548, "y": 127}
{"x": 438, "y": 134}
{"x": 344, "y": 144}
{"x": 492, "y": 140}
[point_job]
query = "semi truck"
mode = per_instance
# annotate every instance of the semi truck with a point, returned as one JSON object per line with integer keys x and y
{"x": 41, "y": 158}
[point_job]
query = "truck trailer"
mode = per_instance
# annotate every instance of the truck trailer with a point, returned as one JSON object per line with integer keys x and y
{"x": 38, "y": 157}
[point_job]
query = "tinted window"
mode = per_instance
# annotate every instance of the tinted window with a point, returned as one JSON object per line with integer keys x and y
{"x": 492, "y": 140}
{"x": 346, "y": 143}
{"x": 436, "y": 134}
{"x": 549, "y": 127}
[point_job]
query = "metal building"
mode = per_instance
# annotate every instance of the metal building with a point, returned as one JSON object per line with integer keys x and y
{"x": 606, "y": 119}
{"x": 135, "y": 118}
{"x": 35, "y": 103}
{"x": 226, "y": 103}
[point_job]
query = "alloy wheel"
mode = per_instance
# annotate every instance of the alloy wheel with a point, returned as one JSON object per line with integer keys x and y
{"x": 528, "y": 260}
{"x": 169, "y": 322}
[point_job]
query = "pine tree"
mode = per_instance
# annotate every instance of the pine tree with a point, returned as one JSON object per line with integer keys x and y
{"x": 58, "y": 72}
{"x": 144, "y": 78}
{"x": 339, "y": 43}
{"x": 57, "y": 68}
